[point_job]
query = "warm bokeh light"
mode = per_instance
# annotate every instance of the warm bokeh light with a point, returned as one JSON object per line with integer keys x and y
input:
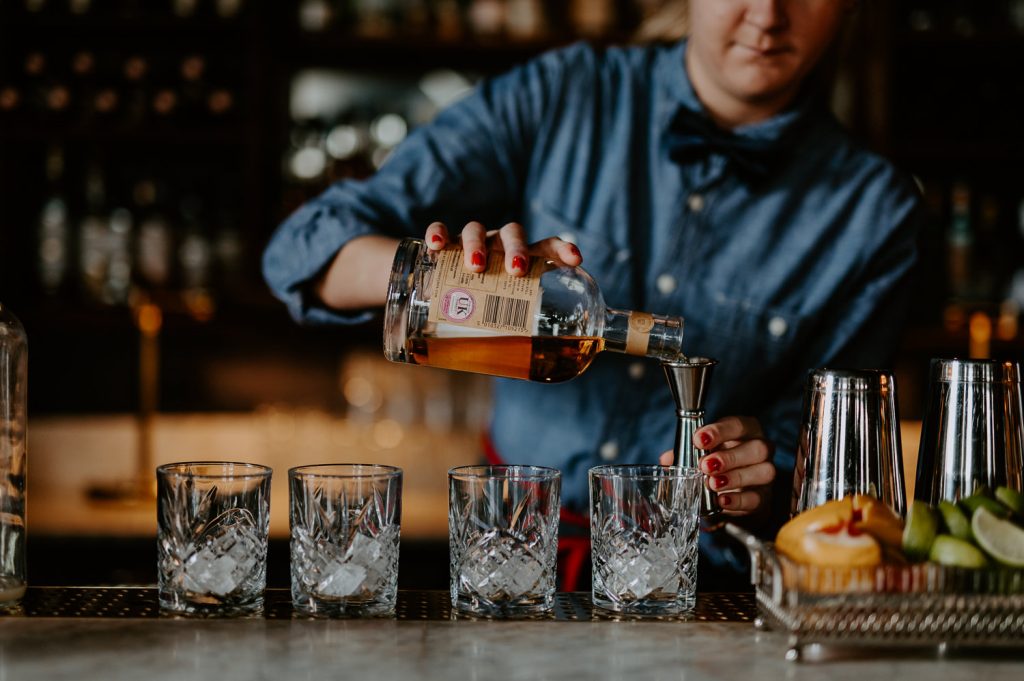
{"x": 981, "y": 335}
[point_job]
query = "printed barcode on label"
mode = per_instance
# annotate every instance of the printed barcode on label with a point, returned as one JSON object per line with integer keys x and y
{"x": 506, "y": 312}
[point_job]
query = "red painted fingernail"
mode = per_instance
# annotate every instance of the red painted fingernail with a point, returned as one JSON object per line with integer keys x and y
{"x": 575, "y": 251}
{"x": 478, "y": 259}
{"x": 721, "y": 480}
{"x": 725, "y": 500}
{"x": 519, "y": 263}
{"x": 714, "y": 465}
{"x": 705, "y": 439}
{"x": 436, "y": 238}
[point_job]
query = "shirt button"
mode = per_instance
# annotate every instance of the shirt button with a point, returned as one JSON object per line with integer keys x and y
{"x": 666, "y": 283}
{"x": 609, "y": 450}
{"x": 636, "y": 370}
{"x": 695, "y": 202}
{"x": 777, "y": 326}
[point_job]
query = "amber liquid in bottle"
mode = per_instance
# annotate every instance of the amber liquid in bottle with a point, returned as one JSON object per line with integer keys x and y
{"x": 546, "y": 359}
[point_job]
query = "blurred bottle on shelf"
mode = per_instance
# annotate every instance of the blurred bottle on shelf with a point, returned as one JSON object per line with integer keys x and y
{"x": 387, "y": 131}
{"x": 93, "y": 250}
{"x": 1015, "y": 14}
{"x": 220, "y": 103}
{"x": 118, "y": 282}
{"x": 315, "y": 16}
{"x": 165, "y": 105}
{"x": 195, "y": 257}
{"x": 525, "y": 20}
{"x": 11, "y": 103}
{"x": 105, "y": 241}
{"x": 347, "y": 145}
{"x": 192, "y": 70}
{"x": 592, "y": 18}
{"x": 83, "y": 75}
{"x": 486, "y": 18}
{"x": 35, "y": 64}
{"x": 414, "y": 18}
{"x": 135, "y": 70}
{"x": 154, "y": 246}
{"x": 449, "y": 24}
{"x": 228, "y": 249}
{"x": 989, "y": 265}
{"x": 39, "y": 7}
{"x": 53, "y": 231}
{"x": 964, "y": 17}
{"x": 104, "y": 107}
{"x": 921, "y": 17}
{"x": 960, "y": 241}
{"x": 46, "y": 80}
{"x": 1016, "y": 285}
{"x": 222, "y": 91}
{"x": 80, "y": 7}
{"x": 229, "y": 9}
{"x": 184, "y": 9}
{"x": 375, "y": 18}
{"x": 96, "y": 91}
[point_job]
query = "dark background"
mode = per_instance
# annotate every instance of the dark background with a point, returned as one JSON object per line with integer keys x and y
{"x": 933, "y": 85}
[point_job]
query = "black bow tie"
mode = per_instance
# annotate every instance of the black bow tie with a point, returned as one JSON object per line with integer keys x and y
{"x": 693, "y": 135}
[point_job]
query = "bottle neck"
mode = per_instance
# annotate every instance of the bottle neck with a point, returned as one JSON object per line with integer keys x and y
{"x": 643, "y": 334}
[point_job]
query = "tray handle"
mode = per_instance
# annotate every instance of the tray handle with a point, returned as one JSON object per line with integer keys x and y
{"x": 765, "y": 568}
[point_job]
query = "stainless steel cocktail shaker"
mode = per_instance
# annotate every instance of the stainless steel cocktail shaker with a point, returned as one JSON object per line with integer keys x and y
{"x": 972, "y": 433}
{"x": 849, "y": 439}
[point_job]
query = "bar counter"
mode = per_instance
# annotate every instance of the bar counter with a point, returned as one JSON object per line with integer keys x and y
{"x": 118, "y": 634}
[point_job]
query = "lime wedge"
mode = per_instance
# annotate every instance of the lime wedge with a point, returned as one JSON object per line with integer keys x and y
{"x": 1000, "y": 538}
{"x": 953, "y": 552}
{"x": 919, "y": 533}
{"x": 1011, "y": 498}
{"x": 956, "y": 520}
{"x": 977, "y": 500}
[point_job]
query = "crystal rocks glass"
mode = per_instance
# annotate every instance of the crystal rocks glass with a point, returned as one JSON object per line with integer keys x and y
{"x": 345, "y": 524}
{"x": 213, "y": 520}
{"x": 644, "y": 527}
{"x": 503, "y": 537}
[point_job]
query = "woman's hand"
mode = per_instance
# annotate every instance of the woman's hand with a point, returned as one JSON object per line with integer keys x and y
{"x": 511, "y": 239}
{"x": 738, "y": 463}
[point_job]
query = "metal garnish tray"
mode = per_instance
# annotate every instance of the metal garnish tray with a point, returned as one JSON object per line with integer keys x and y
{"x": 923, "y": 606}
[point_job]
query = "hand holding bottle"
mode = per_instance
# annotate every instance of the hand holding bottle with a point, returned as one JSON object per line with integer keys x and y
{"x": 357, "y": 276}
{"x": 511, "y": 239}
{"x": 738, "y": 463}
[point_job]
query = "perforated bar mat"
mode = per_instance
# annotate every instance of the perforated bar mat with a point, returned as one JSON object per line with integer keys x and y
{"x": 141, "y": 602}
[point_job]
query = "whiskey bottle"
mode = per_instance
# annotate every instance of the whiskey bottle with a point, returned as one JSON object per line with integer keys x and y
{"x": 546, "y": 326}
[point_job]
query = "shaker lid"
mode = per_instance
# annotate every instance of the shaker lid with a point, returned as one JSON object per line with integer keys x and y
{"x": 975, "y": 371}
{"x": 860, "y": 380}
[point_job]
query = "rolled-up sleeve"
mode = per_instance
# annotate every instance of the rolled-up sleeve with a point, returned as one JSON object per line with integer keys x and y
{"x": 468, "y": 164}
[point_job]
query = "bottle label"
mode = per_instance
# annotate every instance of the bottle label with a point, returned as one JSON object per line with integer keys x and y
{"x": 491, "y": 301}
{"x": 639, "y": 334}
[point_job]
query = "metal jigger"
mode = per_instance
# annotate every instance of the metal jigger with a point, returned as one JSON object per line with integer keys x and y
{"x": 688, "y": 379}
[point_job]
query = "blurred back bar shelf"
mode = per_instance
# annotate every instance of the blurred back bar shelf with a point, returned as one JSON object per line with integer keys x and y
{"x": 149, "y": 148}
{"x": 949, "y": 112}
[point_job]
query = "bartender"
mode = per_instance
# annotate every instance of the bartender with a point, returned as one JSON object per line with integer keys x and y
{"x": 703, "y": 177}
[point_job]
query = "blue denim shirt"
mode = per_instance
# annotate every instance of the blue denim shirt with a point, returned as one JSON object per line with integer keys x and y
{"x": 804, "y": 269}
